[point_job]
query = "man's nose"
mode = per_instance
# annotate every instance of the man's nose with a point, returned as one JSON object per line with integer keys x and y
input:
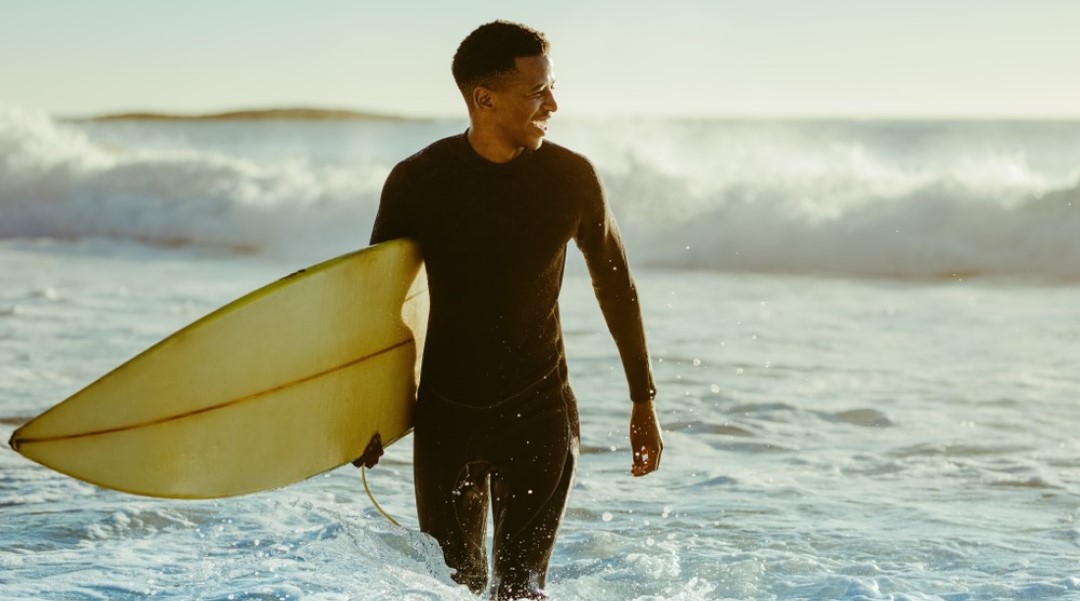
{"x": 549, "y": 102}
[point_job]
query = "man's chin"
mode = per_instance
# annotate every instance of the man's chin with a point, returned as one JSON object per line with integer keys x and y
{"x": 535, "y": 136}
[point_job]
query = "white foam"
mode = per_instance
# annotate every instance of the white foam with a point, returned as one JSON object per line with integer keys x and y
{"x": 883, "y": 200}
{"x": 56, "y": 183}
{"x": 769, "y": 197}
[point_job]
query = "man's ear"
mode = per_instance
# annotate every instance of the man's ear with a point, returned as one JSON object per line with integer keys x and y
{"x": 482, "y": 98}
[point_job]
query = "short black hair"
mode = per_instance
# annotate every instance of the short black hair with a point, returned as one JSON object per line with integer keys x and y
{"x": 488, "y": 53}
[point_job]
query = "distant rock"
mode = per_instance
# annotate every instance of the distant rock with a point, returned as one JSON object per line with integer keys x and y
{"x": 279, "y": 114}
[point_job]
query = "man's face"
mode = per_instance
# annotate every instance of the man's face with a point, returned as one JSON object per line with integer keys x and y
{"x": 524, "y": 102}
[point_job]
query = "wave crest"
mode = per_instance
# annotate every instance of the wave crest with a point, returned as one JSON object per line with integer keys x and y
{"x": 55, "y": 182}
{"x": 856, "y": 199}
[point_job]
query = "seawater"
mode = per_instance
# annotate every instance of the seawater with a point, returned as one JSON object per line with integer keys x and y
{"x": 864, "y": 336}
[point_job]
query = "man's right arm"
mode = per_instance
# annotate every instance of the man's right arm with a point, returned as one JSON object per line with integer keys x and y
{"x": 390, "y": 221}
{"x": 389, "y": 224}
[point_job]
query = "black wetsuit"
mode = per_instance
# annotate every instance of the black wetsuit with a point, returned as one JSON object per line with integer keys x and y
{"x": 495, "y": 408}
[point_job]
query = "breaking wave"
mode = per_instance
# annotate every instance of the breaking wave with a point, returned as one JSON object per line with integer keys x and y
{"x": 894, "y": 200}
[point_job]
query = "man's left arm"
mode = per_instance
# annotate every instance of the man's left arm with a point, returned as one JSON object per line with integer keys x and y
{"x": 601, "y": 244}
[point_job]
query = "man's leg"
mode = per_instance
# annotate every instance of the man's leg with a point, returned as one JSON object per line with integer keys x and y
{"x": 451, "y": 493}
{"x": 525, "y": 534}
{"x": 529, "y": 492}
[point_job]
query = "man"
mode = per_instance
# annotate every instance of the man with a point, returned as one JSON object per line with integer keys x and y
{"x": 493, "y": 210}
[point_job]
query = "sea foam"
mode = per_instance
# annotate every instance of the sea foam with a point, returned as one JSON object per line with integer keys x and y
{"x": 56, "y": 182}
{"x": 887, "y": 200}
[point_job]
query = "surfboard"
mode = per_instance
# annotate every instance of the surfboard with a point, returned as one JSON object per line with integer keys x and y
{"x": 287, "y": 382}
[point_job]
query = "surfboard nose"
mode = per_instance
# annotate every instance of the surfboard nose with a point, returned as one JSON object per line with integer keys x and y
{"x": 15, "y": 441}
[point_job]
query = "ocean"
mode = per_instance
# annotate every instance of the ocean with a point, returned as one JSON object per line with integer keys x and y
{"x": 865, "y": 336}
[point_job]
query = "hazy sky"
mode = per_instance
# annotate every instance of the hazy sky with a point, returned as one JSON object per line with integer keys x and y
{"x": 809, "y": 58}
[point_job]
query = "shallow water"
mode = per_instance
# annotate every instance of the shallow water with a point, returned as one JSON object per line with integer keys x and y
{"x": 864, "y": 334}
{"x": 826, "y": 439}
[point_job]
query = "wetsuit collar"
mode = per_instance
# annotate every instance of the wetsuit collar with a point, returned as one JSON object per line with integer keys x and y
{"x": 473, "y": 158}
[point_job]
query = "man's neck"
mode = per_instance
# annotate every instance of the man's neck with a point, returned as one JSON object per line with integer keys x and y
{"x": 491, "y": 148}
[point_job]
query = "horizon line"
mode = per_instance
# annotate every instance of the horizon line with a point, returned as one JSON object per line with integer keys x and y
{"x": 328, "y": 113}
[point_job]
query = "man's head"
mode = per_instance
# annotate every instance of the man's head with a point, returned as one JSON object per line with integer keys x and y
{"x": 505, "y": 75}
{"x": 486, "y": 57}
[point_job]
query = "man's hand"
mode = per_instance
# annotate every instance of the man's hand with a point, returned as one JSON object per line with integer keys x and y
{"x": 371, "y": 454}
{"x": 645, "y": 439}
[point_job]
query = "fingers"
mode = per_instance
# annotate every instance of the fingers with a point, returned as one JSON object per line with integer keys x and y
{"x": 646, "y": 440}
{"x": 646, "y": 461}
{"x": 371, "y": 454}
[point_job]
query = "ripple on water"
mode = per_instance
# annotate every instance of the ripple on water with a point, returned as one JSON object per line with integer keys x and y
{"x": 955, "y": 450}
{"x": 749, "y": 447}
{"x": 700, "y": 427}
{"x": 13, "y": 420}
{"x": 1034, "y": 482}
{"x": 759, "y": 408}
{"x": 867, "y": 418}
{"x": 716, "y": 482}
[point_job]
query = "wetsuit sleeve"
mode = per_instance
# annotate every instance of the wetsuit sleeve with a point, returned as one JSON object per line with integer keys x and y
{"x": 392, "y": 219}
{"x": 599, "y": 240}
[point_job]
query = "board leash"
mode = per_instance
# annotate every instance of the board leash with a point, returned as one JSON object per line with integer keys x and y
{"x": 363, "y": 477}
